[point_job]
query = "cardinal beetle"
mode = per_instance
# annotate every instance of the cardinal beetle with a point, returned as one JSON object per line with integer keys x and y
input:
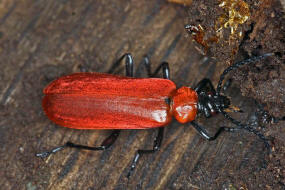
{"x": 106, "y": 101}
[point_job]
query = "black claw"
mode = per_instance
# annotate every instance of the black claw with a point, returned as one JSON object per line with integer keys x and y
{"x": 43, "y": 154}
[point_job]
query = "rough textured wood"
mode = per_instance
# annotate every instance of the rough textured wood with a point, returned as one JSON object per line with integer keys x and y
{"x": 42, "y": 40}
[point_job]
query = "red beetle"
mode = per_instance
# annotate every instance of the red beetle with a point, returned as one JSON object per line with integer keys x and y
{"x": 106, "y": 101}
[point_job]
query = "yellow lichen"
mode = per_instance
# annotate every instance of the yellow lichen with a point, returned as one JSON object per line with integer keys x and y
{"x": 236, "y": 13}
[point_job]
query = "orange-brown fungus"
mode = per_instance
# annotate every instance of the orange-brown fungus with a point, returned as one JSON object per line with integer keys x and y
{"x": 198, "y": 35}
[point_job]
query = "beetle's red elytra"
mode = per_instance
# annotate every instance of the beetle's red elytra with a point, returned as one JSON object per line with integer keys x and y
{"x": 105, "y": 101}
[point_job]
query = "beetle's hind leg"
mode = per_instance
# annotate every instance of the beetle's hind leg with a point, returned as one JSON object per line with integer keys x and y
{"x": 109, "y": 141}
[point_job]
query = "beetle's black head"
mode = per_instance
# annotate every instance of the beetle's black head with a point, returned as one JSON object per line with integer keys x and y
{"x": 209, "y": 104}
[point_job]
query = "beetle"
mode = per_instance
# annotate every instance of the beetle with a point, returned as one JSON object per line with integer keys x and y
{"x": 107, "y": 101}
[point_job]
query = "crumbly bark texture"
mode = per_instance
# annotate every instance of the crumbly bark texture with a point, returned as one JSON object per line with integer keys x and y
{"x": 262, "y": 32}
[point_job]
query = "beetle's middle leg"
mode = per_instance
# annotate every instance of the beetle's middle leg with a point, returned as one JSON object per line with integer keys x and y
{"x": 158, "y": 140}
{"x": 129, "y": 65}
{"x": 156, "y": 146}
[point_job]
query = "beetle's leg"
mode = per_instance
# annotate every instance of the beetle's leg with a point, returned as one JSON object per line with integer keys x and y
{"x": 129, "y": 64}
{"x": 164, "y": 66}
{"x": 114, "y": 135}
{"x": 156, "y": 146}
{"x": 202, "y": 85}
{"x": 165, "y": 70}
{"x": 206, "y": 135}
{"x": 109, "y": 141}
{"x": 158, "y": 140}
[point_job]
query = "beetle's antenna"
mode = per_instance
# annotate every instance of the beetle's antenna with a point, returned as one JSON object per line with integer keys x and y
{"x": 219, "y": 87}
{"x": 239, "y": 64}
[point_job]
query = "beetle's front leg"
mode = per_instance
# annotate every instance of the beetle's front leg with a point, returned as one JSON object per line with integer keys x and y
{"x": 203, "y": 84}
{"x": 200, "y": 129}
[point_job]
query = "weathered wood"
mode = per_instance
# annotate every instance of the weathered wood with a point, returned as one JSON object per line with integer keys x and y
{"x": 42, "y": 40}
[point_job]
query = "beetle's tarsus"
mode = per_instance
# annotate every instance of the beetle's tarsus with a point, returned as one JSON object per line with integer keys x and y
{"x": 43, "y": 154}
{"x": 48, "y": 153}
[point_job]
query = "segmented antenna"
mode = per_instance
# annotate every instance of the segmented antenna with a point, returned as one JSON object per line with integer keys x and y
{"x": 239, "y": 64}
{"x": 219, "y": 87}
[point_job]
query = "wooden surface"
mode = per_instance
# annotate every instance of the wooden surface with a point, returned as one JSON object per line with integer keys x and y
{"x": 42, "y": 40}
